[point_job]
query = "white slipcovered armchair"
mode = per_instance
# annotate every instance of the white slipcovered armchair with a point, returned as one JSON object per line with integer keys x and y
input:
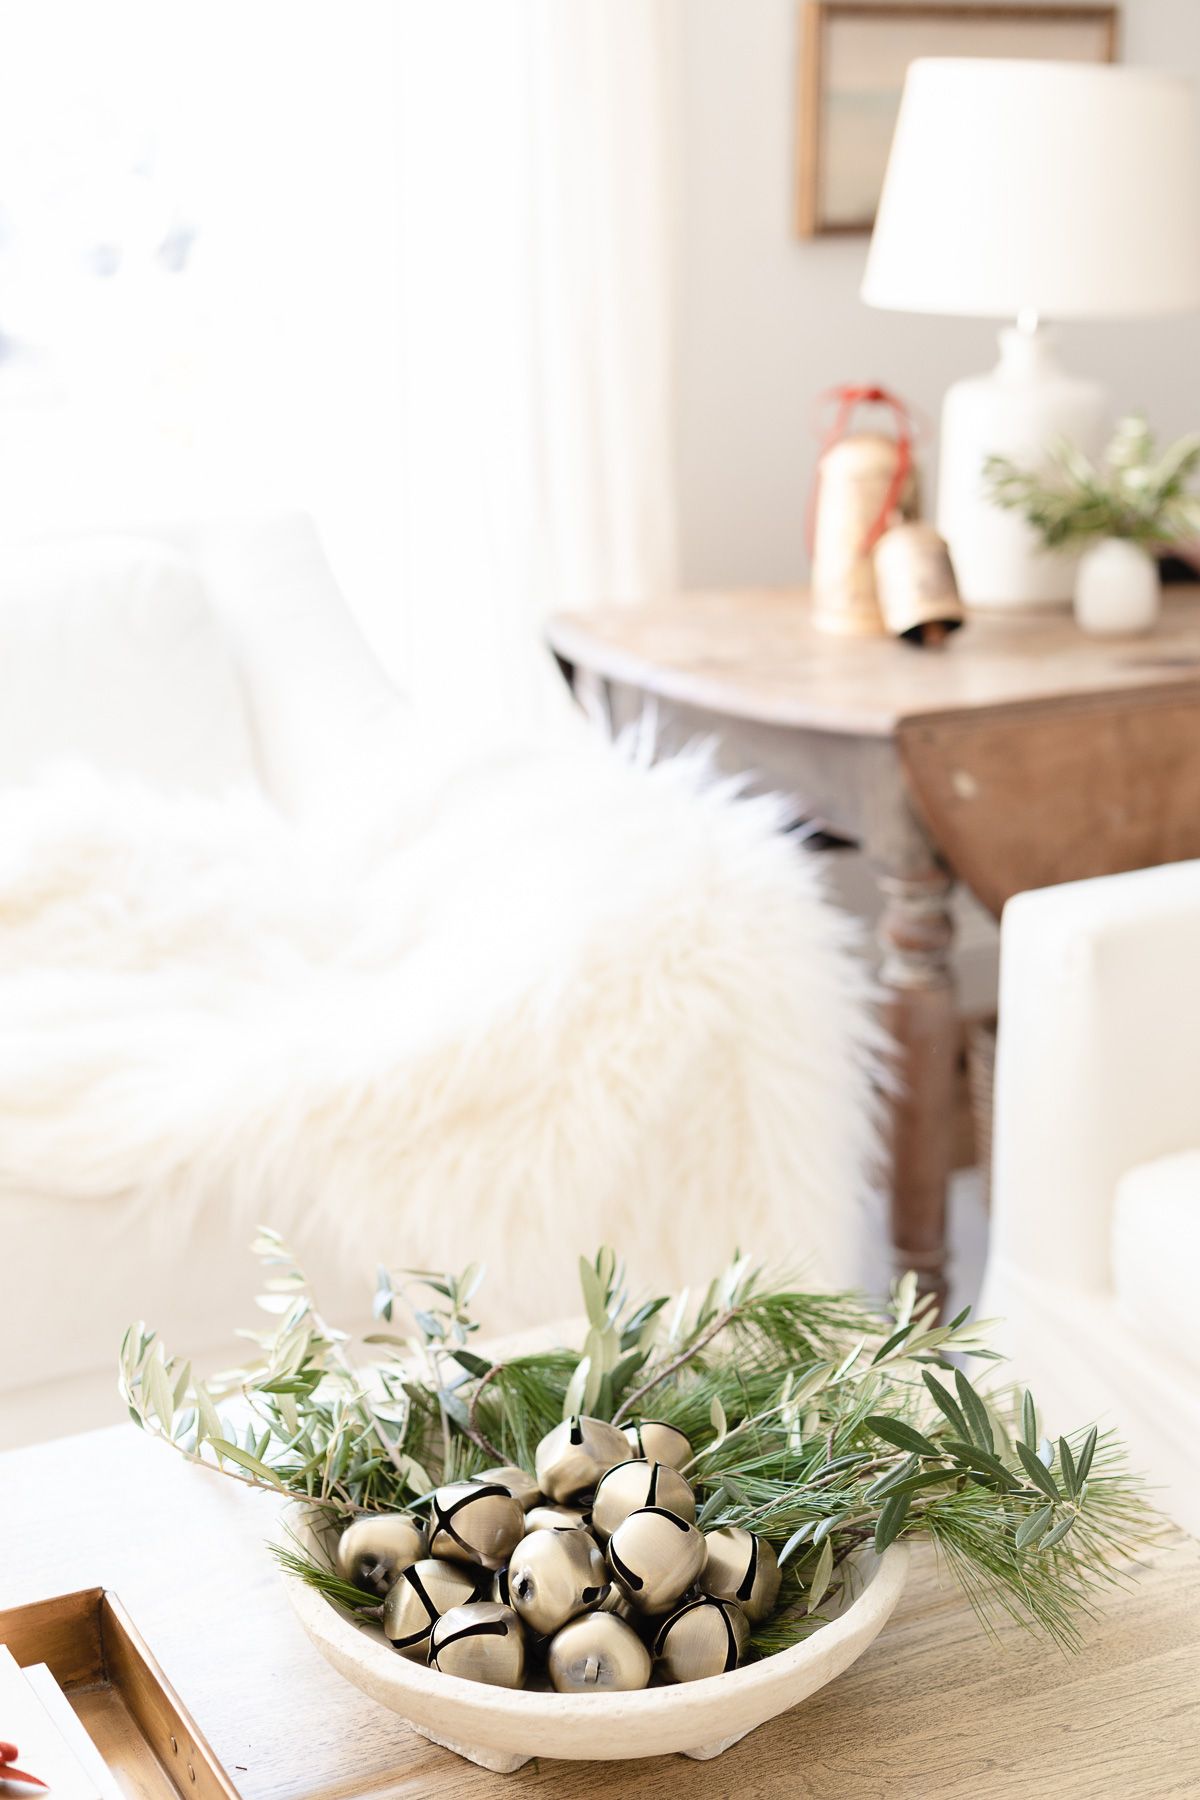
{"x": 269, "y": 953}
{"x": 1095, "y": 1250}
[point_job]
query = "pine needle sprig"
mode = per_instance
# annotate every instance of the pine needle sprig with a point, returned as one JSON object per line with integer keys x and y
{"x": 1134, "y": 492}
{"x": 326, "y": 1581}
{"x": 827, "y": 1426}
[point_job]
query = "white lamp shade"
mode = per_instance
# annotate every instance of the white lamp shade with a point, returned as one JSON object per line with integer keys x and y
{"x": 1070, "y": 189}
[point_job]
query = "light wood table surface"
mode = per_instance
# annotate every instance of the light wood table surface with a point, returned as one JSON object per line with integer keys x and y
{"x": 933, "y": 1711}
{"x": 1020, "y": 754}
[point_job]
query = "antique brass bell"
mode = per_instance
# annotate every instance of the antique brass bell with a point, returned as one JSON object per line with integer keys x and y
{"x": 475, "y": 1521}
{"x": 481, "y": 1641}
{"x": 659, "y": 1442}
{"x": 571, "y": 1459}
{"x": 552, "y": 1575}
{"x": 372, "y": 1552}
{"x": 656, "y": 1557}
{"x": 635, "y": 1484}
{"x": 615, "y": 1601}
{"x": 705, "y": 1637}
{"x": 557, "y": 1518}
{"x": 915, "y": 584}
{"x": 598, "y": 1653}
{"x": 743, "y": 1568}
{"x": 521, "y": 1486}
{"x": 417, "y": 1600}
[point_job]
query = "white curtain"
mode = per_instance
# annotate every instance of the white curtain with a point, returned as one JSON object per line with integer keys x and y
{"x": 535, "y": 453}
{"x": 429, "y": 298}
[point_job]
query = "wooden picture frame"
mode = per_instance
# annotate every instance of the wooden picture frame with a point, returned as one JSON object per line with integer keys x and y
{"x": 843, "y": 132}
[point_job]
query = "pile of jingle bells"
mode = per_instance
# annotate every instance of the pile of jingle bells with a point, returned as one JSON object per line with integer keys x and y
{"x": 594, "y": 1567}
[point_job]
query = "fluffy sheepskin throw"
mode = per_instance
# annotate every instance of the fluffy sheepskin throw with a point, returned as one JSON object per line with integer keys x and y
{"x": 579, "y": 1001}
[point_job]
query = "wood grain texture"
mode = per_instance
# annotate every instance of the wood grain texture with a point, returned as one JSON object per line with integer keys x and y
{"x": 932, "y": 1712}
{"x": 754, "y": 654}
{"x": 1087, "y": 786}
{"x": 916, "y": 934}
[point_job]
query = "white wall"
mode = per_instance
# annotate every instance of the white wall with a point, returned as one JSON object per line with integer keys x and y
{"x": 766, "y": 322}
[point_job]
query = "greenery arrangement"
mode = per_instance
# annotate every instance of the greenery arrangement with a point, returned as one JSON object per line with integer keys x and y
{"x": 1136, "y": 493}
{"x": 817, "y": 1422}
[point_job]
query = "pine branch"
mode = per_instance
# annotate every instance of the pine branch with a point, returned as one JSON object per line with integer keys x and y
{"x": 815, "y": 1421}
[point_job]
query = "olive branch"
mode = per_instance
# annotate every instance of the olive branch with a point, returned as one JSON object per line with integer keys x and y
{"x": 816, "y": 1420}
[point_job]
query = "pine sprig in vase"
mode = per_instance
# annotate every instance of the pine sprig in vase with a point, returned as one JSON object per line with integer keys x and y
{"x": 1120, "y": 513}
{"x": 1134, "y": 492}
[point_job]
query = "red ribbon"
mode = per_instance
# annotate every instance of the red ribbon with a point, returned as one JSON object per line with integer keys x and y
{"x": 8, "y": 1769}
{"x": 848, "y": 398}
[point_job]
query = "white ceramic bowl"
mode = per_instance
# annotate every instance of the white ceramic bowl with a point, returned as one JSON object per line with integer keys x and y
{"x": 501, "y": 1729}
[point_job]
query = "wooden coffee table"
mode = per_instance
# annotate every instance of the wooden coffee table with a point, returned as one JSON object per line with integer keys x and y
{"x": 1019, "y": 755}
{"x": 931, "y": 1712}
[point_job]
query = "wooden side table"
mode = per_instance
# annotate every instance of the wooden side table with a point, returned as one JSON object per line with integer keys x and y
{"x": 1019, "y": 755}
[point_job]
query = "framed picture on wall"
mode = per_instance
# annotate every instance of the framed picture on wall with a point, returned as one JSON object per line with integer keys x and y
{"x": 853, "y": 56}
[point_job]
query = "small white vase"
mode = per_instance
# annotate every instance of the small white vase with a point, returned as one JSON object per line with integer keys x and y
{"x": 1117, "y": 589}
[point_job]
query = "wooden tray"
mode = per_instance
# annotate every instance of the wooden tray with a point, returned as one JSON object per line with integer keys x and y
{"x": 128, "y": 1707}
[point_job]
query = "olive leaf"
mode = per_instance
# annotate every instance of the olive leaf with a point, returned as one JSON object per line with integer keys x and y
{"x": 1037, "y": 1471}
{"x": 948, "y": 1406}
{"x": 800, "y": 1536}
{"x": 1066, "y": 1463}
{"x": 891, "y": 1518}
{"x": 593, "y": 1295}
{"x": 1056, "y": 1536}
{"x": 822, "y": 1575}
{"x": 979, "y": 1425}
{"x": 1033, "y": 1526}
{"x": 903, "y": 1436}
{"x": 1083, "y": 1467}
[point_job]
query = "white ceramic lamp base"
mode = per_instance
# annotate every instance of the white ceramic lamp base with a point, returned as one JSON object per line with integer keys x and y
{"x": 1020, "y": 409}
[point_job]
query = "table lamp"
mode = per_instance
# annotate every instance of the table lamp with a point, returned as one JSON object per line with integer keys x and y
{"x": 1025, "y": 191}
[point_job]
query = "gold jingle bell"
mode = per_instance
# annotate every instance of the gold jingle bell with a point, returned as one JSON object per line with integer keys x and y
{"x": 475, "y": 1521}
{"x": 521, "y": 1486}
{"x": 615, "y": 1601}
{"x": 659, "y": 1442}
{"x": 705, "y": 1637}
{"x": 481, "y": 1641}
{"x": 656, "y": 1557}
{"x": 741, "y": 1567}
{"x": 558, "y": 1518}
{"x": 636, "y": 1484}
{"x": 552, "y": 1575}
{"x": 372, "y": 1552}
{"x": 418, "y": 1599}
{"x": 571, "y": 1459}
{"x": 596, "y": 1654}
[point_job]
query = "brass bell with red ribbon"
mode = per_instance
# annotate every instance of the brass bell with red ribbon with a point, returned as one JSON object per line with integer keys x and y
{"x": 865, "y": 482}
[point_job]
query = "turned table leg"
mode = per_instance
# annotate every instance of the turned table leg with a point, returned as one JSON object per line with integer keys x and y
{"x": 916, "y": 934}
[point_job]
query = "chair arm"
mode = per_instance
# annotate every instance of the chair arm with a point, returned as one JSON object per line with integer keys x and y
{"x": 1098, "y": 1065}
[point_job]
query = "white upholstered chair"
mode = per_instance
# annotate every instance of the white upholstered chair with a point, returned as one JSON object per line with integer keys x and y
{"x": 1095, "y": 1249}
{"x": 539, "y": 999}
{"x": 202, "y": 657}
